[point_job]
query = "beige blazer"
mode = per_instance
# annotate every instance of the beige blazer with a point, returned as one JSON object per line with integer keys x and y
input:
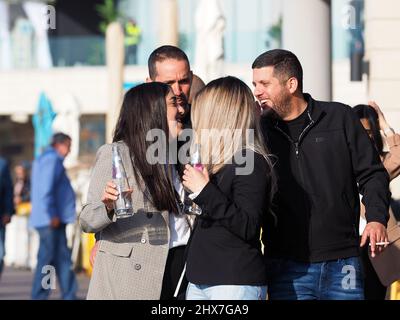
{"x": 387, "y": 263}
{"x": 133, "y": 251}
{"x": 391, "y": 160}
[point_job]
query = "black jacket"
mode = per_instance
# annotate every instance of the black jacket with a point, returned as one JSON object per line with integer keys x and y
{"x": 225, "y": 247}
{"x": 317, "y": 204}
{"x": 6, "y": 190}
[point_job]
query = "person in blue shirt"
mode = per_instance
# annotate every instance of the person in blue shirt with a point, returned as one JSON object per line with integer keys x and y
{"x": 53, "y": 206}
{"x": 6, "y": 205}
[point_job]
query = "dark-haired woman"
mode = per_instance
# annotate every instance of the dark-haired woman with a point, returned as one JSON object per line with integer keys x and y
{"x": 374, "y": 122}
{"x": 133, "y": 252}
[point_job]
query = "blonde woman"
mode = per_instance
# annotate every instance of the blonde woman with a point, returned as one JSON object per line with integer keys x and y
{"x": 224, "y": 258}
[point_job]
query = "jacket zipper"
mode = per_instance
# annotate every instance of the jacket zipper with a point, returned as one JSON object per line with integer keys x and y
{"x": 297, "y": 143}
{"x": 296, "y": 146}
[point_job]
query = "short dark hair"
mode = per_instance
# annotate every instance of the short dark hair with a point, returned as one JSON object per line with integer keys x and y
{"x": 285, "y": 63}
{"x": 162, "y": 53}
{"x": 59, "y": 137}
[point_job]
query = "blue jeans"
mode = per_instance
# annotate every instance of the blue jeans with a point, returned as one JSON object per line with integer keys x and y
{"x": 225, "y": 292}
{"x": 2, "y": 246}
{"x": 53, "y": 253}
{"x": 340, "y": 279}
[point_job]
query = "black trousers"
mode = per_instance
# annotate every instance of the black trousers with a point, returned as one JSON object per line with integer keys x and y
{"x": 173, "y": 270}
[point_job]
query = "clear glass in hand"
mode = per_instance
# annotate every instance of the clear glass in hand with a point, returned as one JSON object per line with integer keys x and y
{"x": 189, "y": 206}
{"x": 195, "y": 161}
{"x": 123, "y": 205}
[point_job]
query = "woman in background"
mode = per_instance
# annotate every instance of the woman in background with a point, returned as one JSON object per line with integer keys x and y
{"x": 374, "y": 122}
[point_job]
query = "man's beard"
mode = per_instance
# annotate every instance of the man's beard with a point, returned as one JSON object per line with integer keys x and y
{"x": 282, "y": 107}
{"x": 182, "y": 100}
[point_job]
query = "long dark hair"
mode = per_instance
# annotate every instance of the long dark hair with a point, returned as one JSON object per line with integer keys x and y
{"x": 144, "y": 109}
{"x": 364, "y": 111}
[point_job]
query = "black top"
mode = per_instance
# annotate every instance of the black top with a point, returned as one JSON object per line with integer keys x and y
{"x": 6, "y": 190}
{"x": 225, "y": 247}
{"x": 317, "y": 205}
{"x": 294, "y": 127}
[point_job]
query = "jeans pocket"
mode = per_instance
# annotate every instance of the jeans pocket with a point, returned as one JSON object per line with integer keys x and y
{"x": 262, "y": 293}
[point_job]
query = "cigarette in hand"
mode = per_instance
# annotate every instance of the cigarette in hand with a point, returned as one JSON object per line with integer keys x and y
{"x": 380, "y": 243}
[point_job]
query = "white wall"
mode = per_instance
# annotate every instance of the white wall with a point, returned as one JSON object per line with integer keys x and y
{"x": 382, "y": 22}
{"x": 19, "y": 90}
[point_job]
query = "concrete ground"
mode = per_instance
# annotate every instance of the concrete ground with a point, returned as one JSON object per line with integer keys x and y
{"x": 16, "y": 284}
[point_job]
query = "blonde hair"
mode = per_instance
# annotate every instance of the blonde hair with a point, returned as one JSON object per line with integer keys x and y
{"x": 226, "y": 107}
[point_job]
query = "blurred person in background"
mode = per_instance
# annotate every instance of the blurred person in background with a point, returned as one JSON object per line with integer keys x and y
{"x": 22, "y": 189}
{"x": 133, "y": 35}
{"x": 53, "y": 207}
{"x": 374, "y": 123}
{"x": 6, "y": 206}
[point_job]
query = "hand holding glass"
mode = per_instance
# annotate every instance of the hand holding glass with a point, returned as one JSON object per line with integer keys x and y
{"x": 123, "y": 204}
{"x": 195, "y": 161}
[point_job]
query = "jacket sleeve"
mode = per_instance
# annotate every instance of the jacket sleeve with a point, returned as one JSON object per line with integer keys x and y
{"x": 52, "y": 169}
{"x": 391, "y": 160}
{"x": 372, "y": 178}
{"x": 94, "y": 217}
{"x": 7, "y": 192}
{"x": 241, "y": 211}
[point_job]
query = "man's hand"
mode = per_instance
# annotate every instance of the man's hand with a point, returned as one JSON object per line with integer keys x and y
{"x": 93, "y": 253}
{"x": 5, "y": 219}
{"x": 55, "y": 222}
{"x": 376, "y": 232}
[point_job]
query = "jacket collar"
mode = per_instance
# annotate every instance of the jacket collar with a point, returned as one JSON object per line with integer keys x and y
{"x": 50, "y": 149}
{"x": 313, "y": 107}
{"x": 314, "y": 111}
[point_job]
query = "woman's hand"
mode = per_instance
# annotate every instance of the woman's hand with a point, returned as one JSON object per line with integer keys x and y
{"x": 381, "y": 118}
{"x": 93, "y": 253}
{"x": 110, "y": 195}
{"x": 194, "y": 179}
